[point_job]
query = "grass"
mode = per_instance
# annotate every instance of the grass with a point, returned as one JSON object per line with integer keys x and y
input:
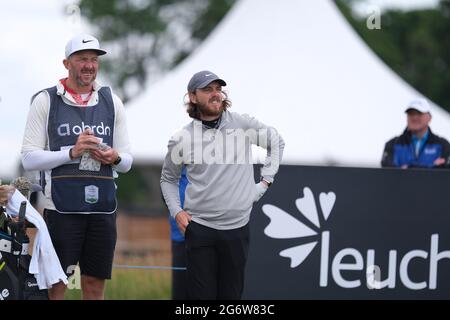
{"x": 132, "y": 284}
{"x": 141, "y": 241}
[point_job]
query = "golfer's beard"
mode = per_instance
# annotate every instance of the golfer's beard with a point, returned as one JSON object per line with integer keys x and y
{"x": 209, "y": 112}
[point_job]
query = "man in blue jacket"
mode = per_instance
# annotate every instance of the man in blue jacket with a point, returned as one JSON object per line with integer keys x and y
{"x": 417, "y": 147}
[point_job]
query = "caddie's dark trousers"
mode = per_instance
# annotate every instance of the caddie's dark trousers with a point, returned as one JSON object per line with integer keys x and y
{"x": 216, "y": 262}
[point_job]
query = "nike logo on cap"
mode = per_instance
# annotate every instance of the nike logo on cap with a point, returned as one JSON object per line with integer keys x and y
{"x": 209, "y": 74}
{"x": 86, "y": 41}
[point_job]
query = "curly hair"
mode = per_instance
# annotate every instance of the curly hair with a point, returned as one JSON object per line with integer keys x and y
{"x": 193, "y": 110}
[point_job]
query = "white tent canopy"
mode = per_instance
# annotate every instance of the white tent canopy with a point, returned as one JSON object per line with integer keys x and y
{"x": 299, "y": 66}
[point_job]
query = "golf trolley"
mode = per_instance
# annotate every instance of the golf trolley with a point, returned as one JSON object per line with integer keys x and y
{"x": 16, "y": 283}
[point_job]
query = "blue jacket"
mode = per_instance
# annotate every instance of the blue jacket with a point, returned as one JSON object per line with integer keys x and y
{"x": 400, "y": 151}
{"x": 175, "y": 233}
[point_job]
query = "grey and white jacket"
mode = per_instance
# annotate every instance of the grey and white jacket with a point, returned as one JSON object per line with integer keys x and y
{"x": 221, "y": 188}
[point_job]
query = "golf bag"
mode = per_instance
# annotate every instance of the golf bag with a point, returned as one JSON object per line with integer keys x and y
{"x": 16, "y": 283}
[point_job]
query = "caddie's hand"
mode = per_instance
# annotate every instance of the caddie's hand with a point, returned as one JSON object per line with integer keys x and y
{"x": 261, "y": 188}
{"x": 86, "y": 141}
{"x": 105, "y": 156}
{"x": 183, "y": 219}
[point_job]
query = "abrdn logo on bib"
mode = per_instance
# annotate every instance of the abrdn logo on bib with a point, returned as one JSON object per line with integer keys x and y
{"x": 283, "y": 225}
{"x": 99, "y": 130}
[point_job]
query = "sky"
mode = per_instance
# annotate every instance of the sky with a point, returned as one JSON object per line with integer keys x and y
{"x": 33, "y": 36}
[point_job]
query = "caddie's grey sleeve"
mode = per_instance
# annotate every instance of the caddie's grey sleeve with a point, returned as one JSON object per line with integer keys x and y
{"x": 170, "y": 178}
{"x": 268, "y": 138}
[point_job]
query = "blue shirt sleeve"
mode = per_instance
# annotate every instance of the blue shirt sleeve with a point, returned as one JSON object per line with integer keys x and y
{"x": 175, "y": 233}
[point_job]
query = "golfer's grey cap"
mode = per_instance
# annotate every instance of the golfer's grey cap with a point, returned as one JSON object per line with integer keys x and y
{"x": 202, "y": 79}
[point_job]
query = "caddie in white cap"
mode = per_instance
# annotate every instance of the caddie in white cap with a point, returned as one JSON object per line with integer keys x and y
{"x": 83, "y": 42}
{"x": 81, "y": 61}
{"x": 417, "y": 146}
{"x": 77, "y": 137}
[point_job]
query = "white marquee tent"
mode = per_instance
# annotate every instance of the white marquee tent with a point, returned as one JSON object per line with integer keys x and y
{"x": 299, "y": 66}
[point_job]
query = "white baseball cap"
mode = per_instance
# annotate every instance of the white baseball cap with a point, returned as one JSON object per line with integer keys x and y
{"x": 420, "y": 105}
{"x": 83, "y": 42}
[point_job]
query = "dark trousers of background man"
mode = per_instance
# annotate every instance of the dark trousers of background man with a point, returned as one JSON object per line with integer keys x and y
{"x": 179, "y": 278}
{"x": 216, "y": 262}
